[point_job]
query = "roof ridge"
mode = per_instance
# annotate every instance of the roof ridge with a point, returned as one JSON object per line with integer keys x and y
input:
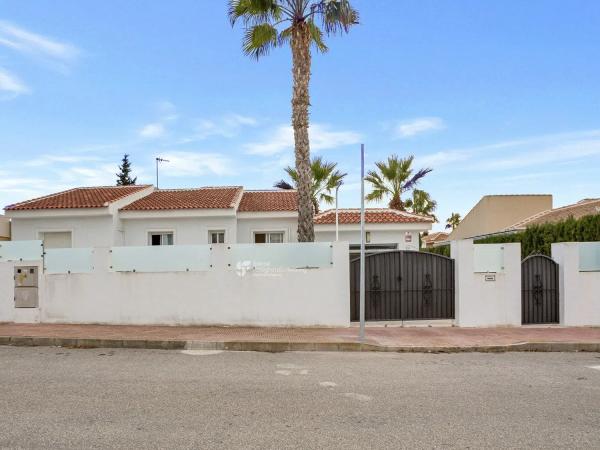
{"x": 550, "y": 211}
{"x": 199, "y": 188}
{"x": 270, "y": 190}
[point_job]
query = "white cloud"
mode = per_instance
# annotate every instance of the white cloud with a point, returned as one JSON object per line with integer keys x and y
{"x": 321, "y": 138}
{"x": 46, "y": 160}
{"x": 12, "y": 85}
{"x": 25, "y": 41}
{"x": 410, "y": 128}
{"x": 521, "y": 153}
{"x": 152, "y": 130}
{"x": 182, "y": 164}
{"x": 228, "y": 126}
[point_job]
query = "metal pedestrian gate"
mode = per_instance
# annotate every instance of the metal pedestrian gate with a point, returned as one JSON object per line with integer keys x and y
{"x": 539, "y": 290}
{"x": 404, "y": 285}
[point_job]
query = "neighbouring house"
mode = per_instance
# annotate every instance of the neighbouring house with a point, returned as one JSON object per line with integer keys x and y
{"x": 4, "y": 228}
{"x": 429, "y": 240}
{"x": 143, "y": 215}
{"x": 577, "y": 210}
{"x": 385, "y": 229}
{"x": 494, "y": 213}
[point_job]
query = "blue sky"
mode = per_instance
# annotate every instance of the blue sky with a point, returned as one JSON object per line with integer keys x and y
{"x": 496, "y": 97}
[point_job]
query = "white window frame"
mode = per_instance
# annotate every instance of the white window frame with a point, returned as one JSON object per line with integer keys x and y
{"x": 267, "y": 234}
{"x": 217, "y": 232}
{"x": 163, "y": 233}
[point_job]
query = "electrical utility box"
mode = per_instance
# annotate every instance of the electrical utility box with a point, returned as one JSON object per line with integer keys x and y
{"x": 26, "y": 287}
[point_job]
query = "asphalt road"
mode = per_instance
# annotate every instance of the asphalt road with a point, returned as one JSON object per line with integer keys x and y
{"x": 60, "y": 398}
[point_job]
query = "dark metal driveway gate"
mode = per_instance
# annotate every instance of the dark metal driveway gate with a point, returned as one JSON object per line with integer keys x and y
{"x": 404, "y": 285}
{"x": 539, "y": 287}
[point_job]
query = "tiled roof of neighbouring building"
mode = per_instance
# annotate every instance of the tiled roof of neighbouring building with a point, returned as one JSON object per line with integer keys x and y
{"x": 202, "y": 198}
{"x": 372, "y": 215}
{"x": 83, "y": 197}
{"x": 259, "y": 201}
{"x": 580, "y": 209}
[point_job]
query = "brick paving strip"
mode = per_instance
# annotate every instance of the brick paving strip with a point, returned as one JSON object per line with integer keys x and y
{"x": 277, "y": 339}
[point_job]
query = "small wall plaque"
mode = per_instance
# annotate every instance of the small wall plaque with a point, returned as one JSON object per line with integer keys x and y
{"x": 490, "y": 277}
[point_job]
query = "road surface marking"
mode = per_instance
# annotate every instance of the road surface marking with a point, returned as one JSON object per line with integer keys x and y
{"x": 327, "y": 384}
{"x": 283, "y": 372}
{"x": 594, "y": 367}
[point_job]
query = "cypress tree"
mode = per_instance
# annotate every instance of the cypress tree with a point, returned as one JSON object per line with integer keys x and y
{"x": 124, "y": 176}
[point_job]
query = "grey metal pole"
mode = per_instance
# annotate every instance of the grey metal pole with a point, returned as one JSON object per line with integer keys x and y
{"x": 337, "y": 224}
{"x": 159, "y": 160}
{"x": 362, "y": 242}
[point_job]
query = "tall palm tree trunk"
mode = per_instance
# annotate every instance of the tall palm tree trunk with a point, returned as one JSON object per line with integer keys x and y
{"x": 301, "y": 60}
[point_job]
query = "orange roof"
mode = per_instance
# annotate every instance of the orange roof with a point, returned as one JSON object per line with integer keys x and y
{"x": 257, "y": 201}
{"x": 83, "y": 197}
{"x": 580, "y": 209}
{"x": 201, "y": 198}
{"x": 372, "y": 215}
{"x": 436, "y": 236}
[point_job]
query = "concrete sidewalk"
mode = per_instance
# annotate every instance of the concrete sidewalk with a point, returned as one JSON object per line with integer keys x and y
{"x": 394, "y": 339}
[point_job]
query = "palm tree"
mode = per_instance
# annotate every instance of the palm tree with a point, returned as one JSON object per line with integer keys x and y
{"x": 275, "y": 23}
{"x": 324, "y": 179}
{"x": 453, "y": 220}
{"x": 422, "y": 203}
{"x": 393, "y": 178}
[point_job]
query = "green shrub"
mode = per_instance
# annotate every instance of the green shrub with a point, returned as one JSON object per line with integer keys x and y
{"x": 539, "y": 238}
{"x": 443, "y": 250}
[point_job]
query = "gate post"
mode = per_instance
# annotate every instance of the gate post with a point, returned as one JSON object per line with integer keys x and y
{"x": 487, "y": 299}
{"x": 566, "y": 254}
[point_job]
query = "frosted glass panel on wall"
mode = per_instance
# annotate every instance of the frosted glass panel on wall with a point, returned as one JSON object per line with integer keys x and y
{"x": 21, "y": 251}
{"x": 69, "y": 260}
{"x": 589, "y": 257}
{"x": 488, "y": 258}
{"x": 161, "y": 258}
{"x": 287, "y": 256}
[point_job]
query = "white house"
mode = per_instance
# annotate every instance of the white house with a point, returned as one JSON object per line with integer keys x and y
{"x": 143, "y": 215}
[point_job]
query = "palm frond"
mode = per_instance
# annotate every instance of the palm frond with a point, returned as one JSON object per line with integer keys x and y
{"x": 282, "y": 184}
{"x": 415, "y": 179}
{"x": 316, "y": 35}
{"x": 254, "y": 12}
{"x": 337, "y": 15}
{"x": 259, "y": 40}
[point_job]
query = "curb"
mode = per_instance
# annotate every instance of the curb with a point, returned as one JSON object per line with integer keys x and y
{"x": 278, "y": 347}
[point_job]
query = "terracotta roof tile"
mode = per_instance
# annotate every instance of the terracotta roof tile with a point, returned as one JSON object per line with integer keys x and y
{"x": 436, "y": 236}
{"x": 372, "y": 215}
{"x": 201, "y": 198}
{"x": 583, "y": 208}
{"x": 83, "y": 197}
{"x": 258, "y": 201}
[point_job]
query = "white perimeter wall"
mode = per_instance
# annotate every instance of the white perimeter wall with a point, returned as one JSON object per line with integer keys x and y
{"x": 90, "y": 231}
{"x": 481, "y": 303}
{"x": 187, "y": 230}
{"x": 579, "y": 291}
{"x": 219, "y": 296}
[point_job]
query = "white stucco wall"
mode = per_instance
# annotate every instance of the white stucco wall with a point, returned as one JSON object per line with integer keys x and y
{"x": 377, "y": 237}
{"x": 86, "y": 231}
{"x": 219, "y": 296}
{"x": 246, "y": 227}
{"x": 187, "y": 230}
{"x": 579, "y": 292}
{"x": 481, "y": 303}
